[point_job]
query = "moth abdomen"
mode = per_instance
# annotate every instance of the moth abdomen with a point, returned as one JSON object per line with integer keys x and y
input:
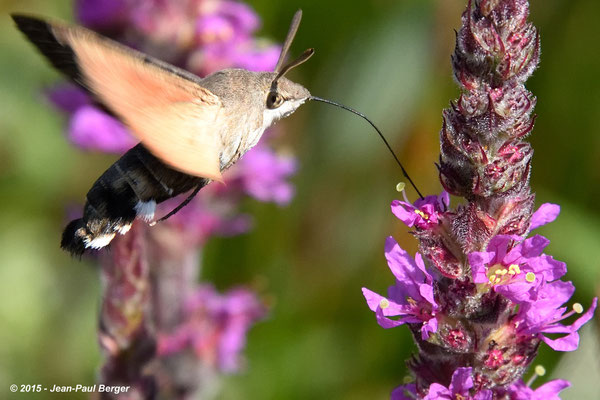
{"x": 128, "y": 189}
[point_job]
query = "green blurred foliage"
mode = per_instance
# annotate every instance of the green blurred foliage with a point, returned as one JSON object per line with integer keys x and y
{"x": 388, "y": 58}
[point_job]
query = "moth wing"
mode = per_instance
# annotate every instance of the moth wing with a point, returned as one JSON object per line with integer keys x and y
{"x": 170, "y": 113}
{"x": 193, "y": 148}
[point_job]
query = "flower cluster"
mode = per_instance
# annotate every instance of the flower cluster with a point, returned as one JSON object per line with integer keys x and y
{"x": 481, "y": 295}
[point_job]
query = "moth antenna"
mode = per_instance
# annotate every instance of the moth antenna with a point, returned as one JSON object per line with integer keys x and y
{"x": 180, "y": 206}
{"x": 289, "y": 39}
{"x": 301, "y": 59}
{"x": 378, "y": 131}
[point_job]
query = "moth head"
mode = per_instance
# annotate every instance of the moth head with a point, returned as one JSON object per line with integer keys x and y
{"x": 285, "y": 96}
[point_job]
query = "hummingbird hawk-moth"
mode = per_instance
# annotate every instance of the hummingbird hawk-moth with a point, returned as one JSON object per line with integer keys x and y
{"x": 190, "y": 128}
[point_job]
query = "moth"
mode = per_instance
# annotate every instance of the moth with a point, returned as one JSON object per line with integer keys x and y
{"x": 191, "y": 129}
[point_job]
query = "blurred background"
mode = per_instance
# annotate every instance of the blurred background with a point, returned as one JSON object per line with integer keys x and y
{"x": 391, "y": 60}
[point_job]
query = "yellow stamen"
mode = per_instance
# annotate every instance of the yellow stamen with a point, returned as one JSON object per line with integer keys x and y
{"x": 499, "y": 275}
{"x": 384, "y": 303}
{"x": 400, "y": 186}
{"x": 530, "y": 277}
{"x": 578, "y": 308}
{"x": 540, "y": 370}
{"x": 422, "y": 214}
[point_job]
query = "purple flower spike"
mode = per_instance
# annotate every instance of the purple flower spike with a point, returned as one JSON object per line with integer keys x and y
{"x": 425, "y": 213}
{"x": 265, "y": 173}
{"x": 494, "y": 296}
{"x": 548, "y": 391}
{"x": 515, "y": 273}
{"x": 92, "y": 129}
{"x": 462, "y": 382}
{"x": 411, "y": 298}
{"x": 545, "y": 313}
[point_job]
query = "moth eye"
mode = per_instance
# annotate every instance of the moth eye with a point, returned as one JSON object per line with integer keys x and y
{"x": 274, "y": 100}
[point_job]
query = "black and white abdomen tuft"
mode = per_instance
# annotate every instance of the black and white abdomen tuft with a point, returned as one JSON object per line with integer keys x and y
{"x": 131, "y": 188}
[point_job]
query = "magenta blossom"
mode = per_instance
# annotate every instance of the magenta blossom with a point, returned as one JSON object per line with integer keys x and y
{"x": 515, "y": 272}
{"x": 215, "y": 327}
{"x": 544, "y": 314}
{"x": 548, "y": 391}
{"x": 93, "y": 129}
{"x": 460, "y": 388}
{"x": 213, "y": 28}
{"x": 247, "y": 55}
{"x": 411, "y": 298}
{"x": 424, "y": 213}
{"x": 68, "y": 98}
{"x": 90, "y": 128}
{"x": 405, "y": 392}
{"x": 233, "y": 16}
{"x": 265, "y": 173}
{"x": 102, "y": 14}
{"x": 547, "y": 213}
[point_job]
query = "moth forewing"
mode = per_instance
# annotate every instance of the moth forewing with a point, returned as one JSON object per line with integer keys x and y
{"x": 172, "y": 116}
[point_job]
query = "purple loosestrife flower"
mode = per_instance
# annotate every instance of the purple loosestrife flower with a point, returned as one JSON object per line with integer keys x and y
{"x": 263, "y": 175}
{"x": 215, "y": 327}
{"x": 483, "y": 296}
{"x": 425, "y": 213}
{"x": 68, "y": 97}
{"x": 90, "y": 128}
{"x": 93, "y": 129}
{"x": 459, "y": 388}
{"x": 405, "y": 392}
{"x": 236, "y": 19}
{"x": 547, "y": 391}
{"x": 547, "y": 213}
{"x": 515, "y": 271}
{"x": 411, "y": 298}
{"x": 102, "y": 14}
{"x": 543, "y": 315}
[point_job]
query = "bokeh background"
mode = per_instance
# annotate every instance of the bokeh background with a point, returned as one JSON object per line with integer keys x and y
{"x": 387, "y": 58}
